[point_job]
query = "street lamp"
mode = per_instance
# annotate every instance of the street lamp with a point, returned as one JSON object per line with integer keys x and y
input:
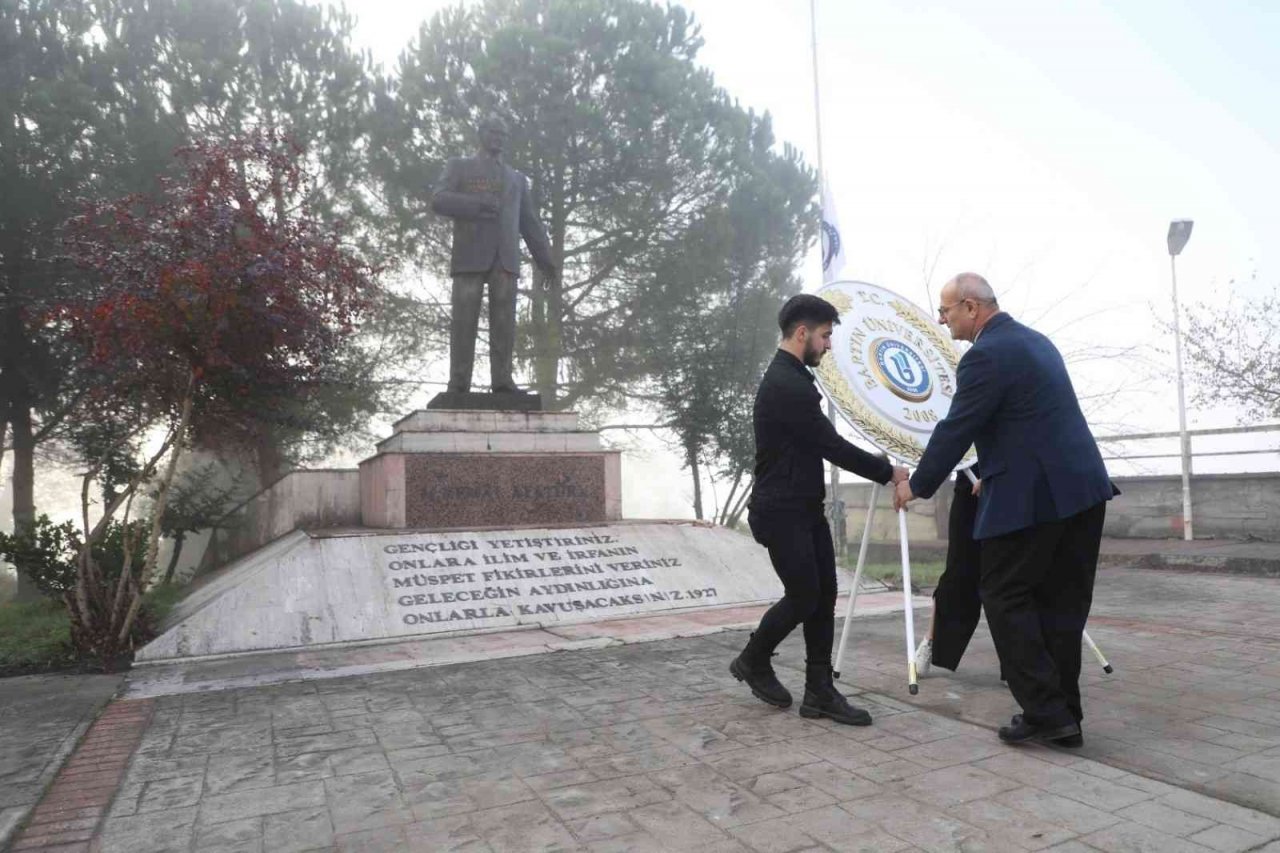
{"x": 1179, "y": 233}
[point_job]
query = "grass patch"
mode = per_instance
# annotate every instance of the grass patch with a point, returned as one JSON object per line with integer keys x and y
{"x": 34, "y": 637}
{"x": 922, "y": 574}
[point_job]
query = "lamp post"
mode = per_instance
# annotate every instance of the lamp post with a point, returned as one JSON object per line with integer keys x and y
{"x": 1179, "y": 233}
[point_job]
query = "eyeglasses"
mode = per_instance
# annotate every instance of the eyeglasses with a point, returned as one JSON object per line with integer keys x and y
{"x": 944, "y": 310}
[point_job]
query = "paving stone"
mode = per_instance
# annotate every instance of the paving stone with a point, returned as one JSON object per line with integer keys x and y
{"x": 144, "y": 769}
{"x": 1065, "y": 781}
{"x": 954, "y": 785}
{"x": 896, "y": 770}
{"x": 1246, "y": 790}
{"x": 331, "y": 742}
{"x": 749, "y": 762}
{"x": 1228, "y": 813}
{"x": 296, "y": 831}
{"x": 426, "y": 770}
{"x": 561, "y": 779}
{"x": 238, "y": 771}
{"x": 692, "y": 736}
{"x": 772, "y": 783}
{"x": 676, "y": 825}
{"x": 1228, "y": 839}
{"x": 172, "y": 793}
{"x": 158, "y": 832}
{"x": 1063, "y": 811}
{"x": 843, "y": 752}
{"x": 260, "y": 801}
{"x": 522, "y": 827}
{"x": 842, "y": 831}
{"x": 603, "y": 826}
{"x": 1129, "y": 837}
{"x": 1165, "y": 818}
{"x": 998, "y": 821}
{"x": 773, "y": 836}
{"x": 716, "y": 798}
{"x": 431, "y": 800}
{"x": 444, "y": 835}
{"x": 384, "y": 839}
{"x": 242, "y": 836}
{"x": 365, "y": 801}
{"x": 949, "y": 751}
{"x": 801, "y": 799}
{"x": 922, "y": 826}
{"x": 581, "y": 801}
{"x": 346, "y": 762}
{"x": 284, "y": 770}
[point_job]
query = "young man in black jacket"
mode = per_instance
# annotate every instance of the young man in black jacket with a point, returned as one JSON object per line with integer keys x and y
{"x": 786, "y": 512}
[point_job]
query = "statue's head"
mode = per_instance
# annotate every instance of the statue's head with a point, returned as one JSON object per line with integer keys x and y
{"x": 493, "y": 132}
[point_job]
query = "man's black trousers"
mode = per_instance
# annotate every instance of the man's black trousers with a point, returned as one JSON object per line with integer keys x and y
{"x": 800, "y": 548}
{"x": 1037, "y": 587}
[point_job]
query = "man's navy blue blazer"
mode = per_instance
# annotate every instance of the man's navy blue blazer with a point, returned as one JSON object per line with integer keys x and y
{"x": 1015, "y": 403}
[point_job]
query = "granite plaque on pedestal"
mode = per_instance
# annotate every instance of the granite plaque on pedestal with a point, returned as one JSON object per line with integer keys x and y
{"x": 479, "y": 489}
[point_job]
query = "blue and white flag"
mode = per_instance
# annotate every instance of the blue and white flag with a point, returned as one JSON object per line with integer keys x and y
{"x": 833, "y": 249}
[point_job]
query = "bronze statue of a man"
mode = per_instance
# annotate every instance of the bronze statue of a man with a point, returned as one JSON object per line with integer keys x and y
{"x": 492, "y": 209}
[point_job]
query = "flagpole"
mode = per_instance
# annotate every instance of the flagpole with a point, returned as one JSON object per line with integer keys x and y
{"x": 817, "y": 94}
{"x": 817, "y": 121}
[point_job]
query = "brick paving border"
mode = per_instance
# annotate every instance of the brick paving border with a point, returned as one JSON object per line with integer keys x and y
{"x": 68, "y": 815}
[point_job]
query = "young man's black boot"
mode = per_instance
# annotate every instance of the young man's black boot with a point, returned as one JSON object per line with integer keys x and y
{"x": 753, "y": 667}
{"x": 822, "y": 699}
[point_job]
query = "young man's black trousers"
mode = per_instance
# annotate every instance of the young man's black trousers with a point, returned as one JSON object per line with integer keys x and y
{"x": 803, "y": 556}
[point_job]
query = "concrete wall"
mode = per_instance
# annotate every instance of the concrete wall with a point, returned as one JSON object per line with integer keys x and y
{"x": 315, "y": 590}
{"x": 1223, "y": 506}
{"x": 299, "y": 499}
{"x": 926, "y": 519}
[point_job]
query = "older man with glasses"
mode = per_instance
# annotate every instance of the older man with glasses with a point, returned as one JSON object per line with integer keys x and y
{"x": 1040, "y": 514}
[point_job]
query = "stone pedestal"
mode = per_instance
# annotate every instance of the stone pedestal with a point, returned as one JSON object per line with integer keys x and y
{"x": 496, "y": 401}
{"x": 476, "y": 468}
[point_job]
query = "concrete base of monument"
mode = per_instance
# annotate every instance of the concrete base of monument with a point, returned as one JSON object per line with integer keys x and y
{"x": 241, "y": 671}
{"x": 336, "y": 587}
{"x": 341, "y": 593}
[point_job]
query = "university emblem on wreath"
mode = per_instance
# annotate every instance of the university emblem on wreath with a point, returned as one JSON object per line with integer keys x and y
{"x": 891, "y": 371}
{"x": 901, "y": 370}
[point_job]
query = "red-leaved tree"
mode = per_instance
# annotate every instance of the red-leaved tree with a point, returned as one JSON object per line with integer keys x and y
{"x": 215, "y": 297}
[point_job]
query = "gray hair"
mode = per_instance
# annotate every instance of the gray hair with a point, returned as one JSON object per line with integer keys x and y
{"x": 970, "y": 285}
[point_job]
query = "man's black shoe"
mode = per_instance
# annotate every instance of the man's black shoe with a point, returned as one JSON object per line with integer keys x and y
{"x": 762, "y": 681}
{"x": 1075, "y": 741}
{"x": 1020, "y": 731}
{"x": 822, "y": 699}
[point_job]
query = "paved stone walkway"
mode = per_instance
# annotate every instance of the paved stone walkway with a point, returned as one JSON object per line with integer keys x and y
{"x": 41, "y": 718}
{"x": 654, "y": 747}
{"x": 1194, "y": 701}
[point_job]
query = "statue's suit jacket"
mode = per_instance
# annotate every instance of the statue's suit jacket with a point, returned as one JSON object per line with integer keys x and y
{"x": 479, "y": 243}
